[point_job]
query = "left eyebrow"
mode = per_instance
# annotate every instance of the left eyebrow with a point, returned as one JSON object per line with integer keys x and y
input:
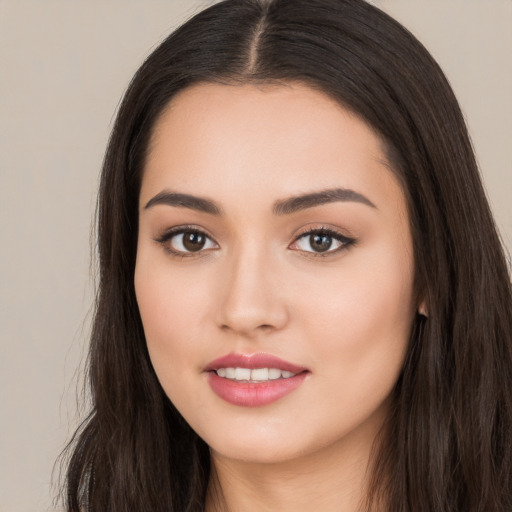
{"x": 302, "y": 202}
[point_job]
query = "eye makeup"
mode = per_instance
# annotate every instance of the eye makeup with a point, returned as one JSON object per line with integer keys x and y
{"x": 322, "y": 241}
{"x": 186, "y": 241}
{"x": 190, "y": 241}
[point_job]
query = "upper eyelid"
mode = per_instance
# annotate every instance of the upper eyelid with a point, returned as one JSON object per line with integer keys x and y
{"x": 177, "y": 230}
{"x": 324, "y": 229}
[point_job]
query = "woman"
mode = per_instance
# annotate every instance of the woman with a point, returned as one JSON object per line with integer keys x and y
{"x": 303, "y": 300}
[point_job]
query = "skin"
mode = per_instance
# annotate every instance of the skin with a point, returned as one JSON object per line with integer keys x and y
{"x": 258, "y": 287}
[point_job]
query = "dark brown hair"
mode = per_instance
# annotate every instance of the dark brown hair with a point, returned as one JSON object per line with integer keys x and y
{"x": 448, "y": 442}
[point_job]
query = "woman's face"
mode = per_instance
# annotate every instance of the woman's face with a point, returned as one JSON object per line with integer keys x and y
{"x": 274, "y": 270}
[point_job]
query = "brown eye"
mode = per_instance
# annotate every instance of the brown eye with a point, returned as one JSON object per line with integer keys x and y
{"x": 193, "y": 241}
{"x": 181, "y": 241}
{"x": 320, "y": 242}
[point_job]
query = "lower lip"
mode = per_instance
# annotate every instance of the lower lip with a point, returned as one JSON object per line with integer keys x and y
{"x": 252, "y": 394}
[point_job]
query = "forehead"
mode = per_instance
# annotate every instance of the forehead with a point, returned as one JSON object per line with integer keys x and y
{"x": 271, "y": 139}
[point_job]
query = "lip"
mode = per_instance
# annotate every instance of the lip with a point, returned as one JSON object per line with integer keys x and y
{"x": 253, "y": 361}
{"x": 253, "y": 394}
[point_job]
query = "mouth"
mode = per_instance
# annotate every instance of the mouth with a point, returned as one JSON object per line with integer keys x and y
{"x": 253, "y": 380}
{"x": 254, "y": 375}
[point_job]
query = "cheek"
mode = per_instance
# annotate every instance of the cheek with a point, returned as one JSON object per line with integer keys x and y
{"x": 361, "y": 318}
{"x": 170, "y": 306}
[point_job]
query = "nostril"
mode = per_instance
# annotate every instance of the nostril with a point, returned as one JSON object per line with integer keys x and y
{"x": 263, "y": 327}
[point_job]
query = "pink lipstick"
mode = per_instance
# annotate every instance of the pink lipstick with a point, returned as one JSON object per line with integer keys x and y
{"x": 253, "y": 380}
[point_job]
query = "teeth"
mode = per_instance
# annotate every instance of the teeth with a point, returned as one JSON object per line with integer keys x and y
{"x": 242, "y": 374}
{"x": 255, "y": 375}
{"x": 259, "y": 374}
{"x": 274, "y": 373}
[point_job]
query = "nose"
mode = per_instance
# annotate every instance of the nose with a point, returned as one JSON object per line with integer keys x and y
{"x": 251, "y": 300}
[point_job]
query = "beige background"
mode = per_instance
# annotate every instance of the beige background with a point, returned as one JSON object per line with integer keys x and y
{"x": 63, "y": 67}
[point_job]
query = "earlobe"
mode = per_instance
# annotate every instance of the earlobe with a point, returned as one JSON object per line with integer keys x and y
{"x": 422, "y": 309}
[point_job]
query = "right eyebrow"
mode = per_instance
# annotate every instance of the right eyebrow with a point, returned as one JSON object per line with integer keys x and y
{"x": 184, "y": 201}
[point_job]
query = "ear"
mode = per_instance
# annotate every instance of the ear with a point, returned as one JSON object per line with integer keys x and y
{"x": 422, "y": 309}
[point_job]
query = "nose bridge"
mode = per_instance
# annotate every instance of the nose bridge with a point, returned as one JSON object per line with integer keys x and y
{"x": 251, "y": 300}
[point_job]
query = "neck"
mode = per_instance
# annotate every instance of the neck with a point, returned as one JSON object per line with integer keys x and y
{"x": 334, "y": 478}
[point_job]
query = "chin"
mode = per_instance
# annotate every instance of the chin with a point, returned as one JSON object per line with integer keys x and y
{"x": 259, "y": 453}
{"x": 263, "y": 445}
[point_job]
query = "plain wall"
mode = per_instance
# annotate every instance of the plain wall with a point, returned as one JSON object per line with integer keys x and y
{"x": 63, "y": 67}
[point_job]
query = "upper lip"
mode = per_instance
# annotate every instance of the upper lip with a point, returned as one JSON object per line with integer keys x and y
{"x": 253, "y": 361}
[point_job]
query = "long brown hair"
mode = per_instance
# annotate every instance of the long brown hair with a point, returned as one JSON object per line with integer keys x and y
{"x": 448, "y": 442}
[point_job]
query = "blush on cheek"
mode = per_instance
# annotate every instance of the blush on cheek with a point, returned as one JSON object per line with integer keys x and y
{"x": 366, "y": 324}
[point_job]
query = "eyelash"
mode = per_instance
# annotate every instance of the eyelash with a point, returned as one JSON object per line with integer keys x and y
{"x": 166, "y": 238}
{"x": 345, "y": 241}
